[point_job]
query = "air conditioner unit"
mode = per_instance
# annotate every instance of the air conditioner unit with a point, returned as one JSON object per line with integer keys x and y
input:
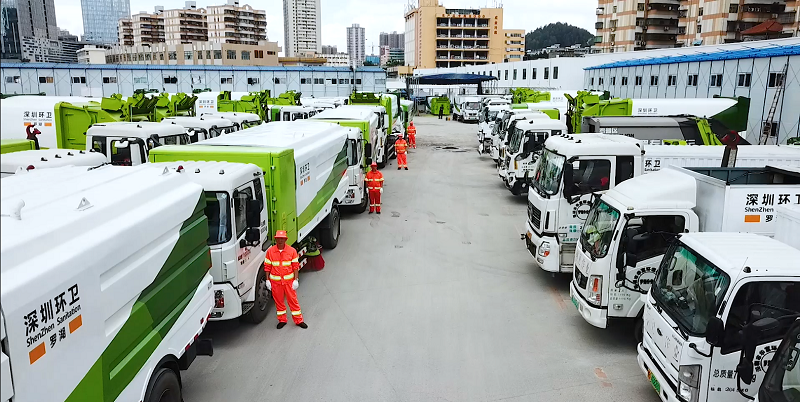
{"x": 600, "y": 11}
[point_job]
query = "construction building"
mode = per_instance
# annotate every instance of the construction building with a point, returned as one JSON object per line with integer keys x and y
{"x": 436, "y": 36}
{"x": 625, "y": 25}
{"x": 302, "y": 27}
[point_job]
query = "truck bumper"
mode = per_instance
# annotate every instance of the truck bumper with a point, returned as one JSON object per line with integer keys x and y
{"x": 650, "y": 370}
{"x": 516, "y": 185}
{"x": 551, "y": 263}
{"x": 227, "y": 303}
{"x": 592, "y": 314}
{"x": 354, "y": 196}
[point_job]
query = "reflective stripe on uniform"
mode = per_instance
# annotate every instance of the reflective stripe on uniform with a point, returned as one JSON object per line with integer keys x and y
{"x": 287, "y": 277}
{"x": 281, "y": 312}
{"x": 295, "y": 260}
{"x": 287, "y": 263}
{"x": 381, "y": 179}
{"x": 296, "y": 312}
{"x": 275, "y": 277}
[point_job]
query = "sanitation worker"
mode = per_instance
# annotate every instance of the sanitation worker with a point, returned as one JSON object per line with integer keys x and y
{"x": 375, "y": 186}
{"x": 281, "y": 265}
{"x": 412, "y": 135}
{"x": 401, "y": 147}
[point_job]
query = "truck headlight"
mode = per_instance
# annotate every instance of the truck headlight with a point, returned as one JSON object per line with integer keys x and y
{"x": 516, "y": 164}
{"x": 689, "y": 382}
{"x": 595, "y": 289}
{"x": 544, "y": 249}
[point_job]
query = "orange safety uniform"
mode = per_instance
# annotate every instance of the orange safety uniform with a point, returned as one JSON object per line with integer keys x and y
{"x": 280, "y": 267}
{"x": 412, "y": 136}
{"x": 401, "y": 146}
{"x": 374, "y": 184}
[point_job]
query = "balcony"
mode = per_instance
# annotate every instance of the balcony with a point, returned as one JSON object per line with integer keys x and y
{"x": 763, "y": 8}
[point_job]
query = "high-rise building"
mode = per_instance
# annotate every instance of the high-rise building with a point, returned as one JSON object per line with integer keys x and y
{"x": 148, "y": 28}
{"x": 186, "y": 25}
{"x": 232, "y": 23}
{"x": 125, "y": 32}
{"x": 34, "y": 20}
{"x": 625, "y": 25}
{"x": 10, "y": 45}
{"x": 329, "y": 49}
{"x": 355, "y": 45}
{"x": 100, "y": 19}
{"x": 302, "y": 26}
{"x": 436, "y": 36}
{"x": 393, "y": 40}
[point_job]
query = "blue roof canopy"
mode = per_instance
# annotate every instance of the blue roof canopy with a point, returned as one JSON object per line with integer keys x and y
{"x": 776, "y": 51}
{"x": 452, "y": 79}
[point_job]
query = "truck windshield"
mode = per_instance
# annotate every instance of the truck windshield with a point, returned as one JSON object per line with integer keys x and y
{"x": 219, "y": 217}
{"x": 492, "y": 115}
{"x": 689, "y": 288}
{"x": 783, "y": 378}
{"x": 472, "y": 105}
{"x": 598, "y": 231}
{"x": 547, "y": 176}
{"x": 180, "y": 139}
{"x": 515, "y": 141}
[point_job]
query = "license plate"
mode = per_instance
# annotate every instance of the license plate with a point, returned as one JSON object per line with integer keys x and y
{"x": 654, "y": 382}
{"x": 575, "y": 302}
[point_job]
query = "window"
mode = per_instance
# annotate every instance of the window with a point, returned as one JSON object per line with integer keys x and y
{"x": 692, "y": 82}
{"x": 319, "y": 81}
{"x": 170, "y": 80}
{"x": 208, "y": 54}
{"x": 161, "y": 56}
{"x": 699, "y": 27}
{"x": 672, "y": 80}
{"x": 590, "y": 175}
{"x": 332, "y": 81}
{"x": 226, "y": 80}
{"x": 218, "y": 213}
{"x": 613, "y": 80}
{"x": 660, "y": 229}
{"x": 506, "y": 76}
{"x": 614, "y": 9}
{"x": 546, "y": 72}
{"x": 12, "y": 79}
{"x": 775, "y": 80}
{"x": 75, "y": 80}
{"x": 148, "y": 56}
{"x": 716, "y": 80}
{"x": 640, "y": 7}
{"x": 624, "y": 80}
{"x": 653, "y": 80}
{"x": 47, "y": 80}
{"x": 240, "y": 198}
{"x": 140, "y": 80}
{"x": 524, "y": 73}
{"x": 770, "y": 127}
{"x": 109, "y": 80}
{"x": 555, "y": 72}
{"x": 498, "y": 74}
{"x": 591, "y": 81}
{"x": 638, "y": 80}
{"x": 344, "y": 81}
{"x": 231, "y": 55}
{"x": 173, "y": 55}
{"x": 358, "y": 81}
{"x": 624, "y": 169}
{"x": 734, "y": 8}
{"x": 187, "y": 54}
{"x": 259, "y": 54}
{"x": 600, "y": 81}
{"x": 700, "y": 13}
{"x": 533, "y": 73}
{"x": 199, "y": 55}
{"x": 276, "y": 80}
{"x": 304, "y": 81}
{"x": 245, "y": 55}
{"x": 252, "y": 81}
{"x": 218, "y": 55}
{"x": 744, "y": 80}
{"x": 769, "y": 298}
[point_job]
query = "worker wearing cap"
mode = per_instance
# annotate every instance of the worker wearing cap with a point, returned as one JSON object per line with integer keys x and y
{"x": 401, "y": 147}
{"x": 374, "y": 181}
{"x": 281, "y": 265}
{"x": 412, "y": 135}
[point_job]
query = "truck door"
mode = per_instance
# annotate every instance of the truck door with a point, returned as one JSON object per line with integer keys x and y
{"x": 758, "y": 297}
{"x": 246, "y": 252}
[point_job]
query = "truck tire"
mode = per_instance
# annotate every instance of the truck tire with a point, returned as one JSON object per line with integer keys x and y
{"x": 164, "y": 387}
{"x": 260, "y": 307}
{"x": 363, "y": 207}
{"x": 330, "y": 234}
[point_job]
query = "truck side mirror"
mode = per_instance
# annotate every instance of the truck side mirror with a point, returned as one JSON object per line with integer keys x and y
{"x": 715, "y": 331}
{"x": 752, "y": 335}
{"x": 251, "y": 237}
{"x": 569, "y": 180}
{"x": 632, "y": 248}
{"x": 254, "y": 213}
{"x": 155, "y": 139}
{"x": 368, "y": 152}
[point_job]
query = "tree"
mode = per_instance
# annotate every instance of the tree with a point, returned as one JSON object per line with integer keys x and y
{"x": 558, "y": 33}
{"x": 369, "y": 63}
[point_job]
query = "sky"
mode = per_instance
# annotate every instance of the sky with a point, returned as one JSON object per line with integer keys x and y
{"x": 375, "y": 16}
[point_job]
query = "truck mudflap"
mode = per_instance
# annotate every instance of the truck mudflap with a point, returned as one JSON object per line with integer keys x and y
{"x": 665, "y": 389}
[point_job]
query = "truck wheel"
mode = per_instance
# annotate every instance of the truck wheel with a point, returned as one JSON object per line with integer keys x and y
{"x": 164, "y": 387}
{"x": 330, "y": 235}
{"x": 261, "y": 303}
{"x": 363, "y": 207}
{"x": 638, "y": 330}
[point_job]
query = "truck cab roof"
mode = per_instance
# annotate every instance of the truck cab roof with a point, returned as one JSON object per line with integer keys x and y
{"x": 48, "y": 158}
{"x": 236, "y": 117}
{"x": 278, "y": 135}
{"x": 204, "y": 122}
{"x": 366, "y": 113}
{"x": 541, "y": 121}
{"x": 214, "y": 176}
{"x": 593, "y": 144}
{"x": 143, "y": 129}
{"x": 734, "y": 252}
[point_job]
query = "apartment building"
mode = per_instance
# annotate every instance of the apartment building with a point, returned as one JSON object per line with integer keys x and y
{"x": 232, "y": 23}
{"x": 436, "y": 36}
{"x": 355, "y": 45}
{"x": 125, "y": 32}
{"x": 514, "y": 45}
{"x": 197, "y": 54}
{"x": 185, "y": 25}
{"x": 625, "y": 25}
{"x": 148, "y": 28}
{"x": 302, "y": 27}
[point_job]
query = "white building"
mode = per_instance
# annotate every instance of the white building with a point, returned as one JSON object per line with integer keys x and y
{"x": 92, "y": 55}
{"x": 336, "y": 59}
{"x": 302, "y": 26}
{"x": 355, "y": 45}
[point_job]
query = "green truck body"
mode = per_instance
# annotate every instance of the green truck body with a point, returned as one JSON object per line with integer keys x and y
{"x": 440, "y": 105}
{"x": 527, "y": 95}
{"x": 14, "y": 145}
{"x": 179, "y": 104}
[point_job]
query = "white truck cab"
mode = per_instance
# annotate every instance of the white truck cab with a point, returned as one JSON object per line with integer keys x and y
{"x": 383, "y": 143}
{"x": 467, "y": 108}
{"x": 503, "y": 131}
{"x": 203, "y": 127}
{"x": 238, "y": 234}
{"x": 486, "y": 123}
{"x": 628, "y": 230}
{"x": 574, "y": 169}
{"x": 25, "y": 161}
{"x": 708, "y": 286}
{"x": 524, "y": 146}
{"x": 128, "y": 144}
{"x": 241, "y": 120}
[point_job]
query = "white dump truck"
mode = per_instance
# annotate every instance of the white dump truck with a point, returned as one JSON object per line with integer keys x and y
{"x": 524, "y": 147}
{"x": 25, "y": 161}
{"x": 706, "y": 290}
{"x": 203, "y": 127}
{"x": 104, "y": 283}
{"x": 627, "y": 231}
{"x": 128, "y": 144}
{"x": 466, "y": 108}
{"x": 574, "y": 169}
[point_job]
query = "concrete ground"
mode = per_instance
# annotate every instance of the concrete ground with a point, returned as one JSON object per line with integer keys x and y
{"x": 436, "y": 299}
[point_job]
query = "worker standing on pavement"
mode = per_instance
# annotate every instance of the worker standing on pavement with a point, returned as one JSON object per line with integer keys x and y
{"x": 281, "y": 265}
{"x": 375, "y": 186}
{"x": 412, "y": 135}
{"x": 401, "y": 146}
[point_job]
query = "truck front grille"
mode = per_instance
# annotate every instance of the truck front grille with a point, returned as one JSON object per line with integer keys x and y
{"x": 580, "y": 279}
{"x": 535, "y": 215}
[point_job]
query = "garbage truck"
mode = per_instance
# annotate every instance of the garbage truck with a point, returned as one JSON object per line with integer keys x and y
{"x": 104, "y": 283}
{"x": 629, "y": 228}
{"x": 670, "y": 130}
{"x": 574, "y": 169}
{"x": 466, "y": 109}
{"x": 179, "y": 104}
{"x": 524, "y": 148}
{"x": 306, "y": 173}
{"x": 203, "y": 127}
{"x": 25, "y": 161}
{"x": 128, "y": 144}
{"x": 706, "y": 289}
